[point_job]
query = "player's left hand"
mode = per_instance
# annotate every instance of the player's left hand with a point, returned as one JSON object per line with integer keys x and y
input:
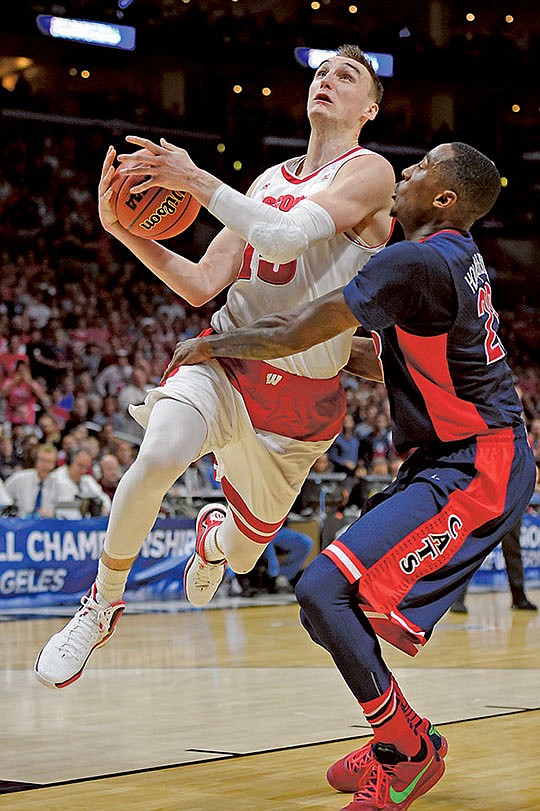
{"x": 187, "y": 353}
{"x": 164, "y": 164}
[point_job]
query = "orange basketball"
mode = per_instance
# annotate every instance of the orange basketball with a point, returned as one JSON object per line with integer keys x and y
{"x": 155, "y": 213}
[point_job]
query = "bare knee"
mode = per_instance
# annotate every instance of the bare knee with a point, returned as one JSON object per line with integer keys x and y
{"x": 242, "y": 555}
{"x": 241, "y": 564}
{"x": 152, "y": 469}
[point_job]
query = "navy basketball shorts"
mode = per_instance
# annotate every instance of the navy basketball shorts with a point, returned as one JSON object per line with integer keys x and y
{"x": 421, "y": 539}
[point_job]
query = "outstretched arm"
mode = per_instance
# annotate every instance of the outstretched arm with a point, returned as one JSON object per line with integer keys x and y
{"x": 363, "y": 361}
{"x": 274, "y": 336}
{"x": 359, "y": 198}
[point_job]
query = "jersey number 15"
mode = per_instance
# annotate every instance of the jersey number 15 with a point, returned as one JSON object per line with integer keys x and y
{"x": 267, "y": 271}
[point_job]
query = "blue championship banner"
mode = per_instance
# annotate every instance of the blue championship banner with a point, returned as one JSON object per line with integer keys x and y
{"x": 52, "y": 561}
{"x": 492, "y": 573}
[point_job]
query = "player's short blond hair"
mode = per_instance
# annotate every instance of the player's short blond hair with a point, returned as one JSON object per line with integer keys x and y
{"x": 356, "y": 53}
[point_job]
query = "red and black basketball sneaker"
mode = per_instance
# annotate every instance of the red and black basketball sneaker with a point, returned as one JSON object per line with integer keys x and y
{"x": 347, "y": 773}
{"x": 395, "y": 781}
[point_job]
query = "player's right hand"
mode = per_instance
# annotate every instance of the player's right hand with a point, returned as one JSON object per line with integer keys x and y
{"x": 106, "y": 211}
{"x": 187, "y": 353}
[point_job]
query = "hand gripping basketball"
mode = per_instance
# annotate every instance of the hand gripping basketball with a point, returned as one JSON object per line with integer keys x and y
{"x": 156, "y": 213}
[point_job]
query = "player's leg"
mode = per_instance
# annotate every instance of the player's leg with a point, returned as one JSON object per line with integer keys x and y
{"x": 329, "y": 599}
{"x": 173, "y": 439}
{"x": 407, "y": 557}
{"x": 402, "y": 749}
{"x": 511, "y": 548}
{"x": 261, "y": 477}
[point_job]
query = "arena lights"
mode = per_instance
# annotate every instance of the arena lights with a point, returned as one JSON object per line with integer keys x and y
{"x": 90, "y": 32}
{"x": 383, "y": 64}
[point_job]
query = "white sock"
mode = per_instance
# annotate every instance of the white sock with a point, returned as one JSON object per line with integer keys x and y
{"x": 212, "y": 551}
{"x": 111, "y": 583}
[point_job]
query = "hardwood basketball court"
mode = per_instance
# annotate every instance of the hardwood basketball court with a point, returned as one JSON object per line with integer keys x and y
{"x": 233, "y": 708}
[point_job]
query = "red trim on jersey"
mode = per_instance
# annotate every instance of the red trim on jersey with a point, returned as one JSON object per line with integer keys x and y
{"x": 293, "y": 179}
{"x": 385, "y": 583}
{"x": 427, "y": 363}
{"x": 245, "y": 520}
{"x": 392, "y": 226}
{"x": 442, "y": 231}
{"x": 361, "y": 243}
{"x": 304, "y": 408}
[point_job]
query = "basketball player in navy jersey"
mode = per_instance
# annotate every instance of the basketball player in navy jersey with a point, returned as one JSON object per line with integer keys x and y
{"x": 467, "y": 479}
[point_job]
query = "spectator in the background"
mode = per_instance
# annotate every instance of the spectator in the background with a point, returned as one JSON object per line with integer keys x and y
{"x": 47, "y": 359}
{"x": 28, "y": 488}
{"x": 9, "y": 461}
{"x": 69, "y": 442}
{"x": 72, "y": 484}
{"x": 111, "y": 473}
{"x": 66, "y": 390}
{"x": 29, "y": 445}
{"x": 511, "y": 549}
{"x": 285, "y": 557}
{"x": 6, "y": 502}
{"x": 15, "y": 352}
{"x": 343, "y": 454}
{"x": 365, "y": 423}
{"x": 112, "y": 379}
{"x": 110, "y": 413}
{"x": 91, "y": 444}
{"x": 91, "y": 358}
{"x": 38, "y": 310}
{"x": 23, "y": 395}
{"x": 107, "y": 440}
{"x": 78, "y": 412}
{"x": 133, "y": 393}
{"x": 50, "y": 430}
{"x": 377, "y": 444}
{"x": 534, "y": 437}
{"x": 126, "y": 453}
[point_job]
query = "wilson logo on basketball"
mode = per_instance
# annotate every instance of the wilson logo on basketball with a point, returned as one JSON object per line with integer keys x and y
{"x": 167, "y": 207}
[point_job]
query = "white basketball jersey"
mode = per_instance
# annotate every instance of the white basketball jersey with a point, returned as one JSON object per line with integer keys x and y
{"x": 263, "y": 287}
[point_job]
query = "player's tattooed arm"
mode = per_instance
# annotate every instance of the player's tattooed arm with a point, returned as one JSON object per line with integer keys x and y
{"x": 274, "y": 336}
{"x": 363, "y": 361}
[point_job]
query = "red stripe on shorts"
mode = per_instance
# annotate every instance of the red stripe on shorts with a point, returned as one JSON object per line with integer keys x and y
{"x": 386, "y": 583}
{"x": 249, "y": 525}
{"x": 347, "y": 563}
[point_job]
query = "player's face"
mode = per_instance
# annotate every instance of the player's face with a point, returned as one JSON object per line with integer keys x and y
{"x": 341, "y": 91}
{"x": 421, "y": 183}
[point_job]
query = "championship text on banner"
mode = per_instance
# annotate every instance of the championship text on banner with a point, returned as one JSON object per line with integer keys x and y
{"x": 52, "y": 561}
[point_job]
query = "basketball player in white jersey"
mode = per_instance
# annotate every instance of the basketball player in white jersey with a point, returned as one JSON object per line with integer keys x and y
{"x": 304, "y": 228}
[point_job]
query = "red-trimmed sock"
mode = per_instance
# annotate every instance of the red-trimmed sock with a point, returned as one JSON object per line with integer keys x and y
{"x": 411, "y": 714}
{"x": 390, "y": 723}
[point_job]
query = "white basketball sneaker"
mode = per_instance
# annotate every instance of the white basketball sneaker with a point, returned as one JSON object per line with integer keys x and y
{"x": 201, "y": 578}
{"x": 62, "y": 660}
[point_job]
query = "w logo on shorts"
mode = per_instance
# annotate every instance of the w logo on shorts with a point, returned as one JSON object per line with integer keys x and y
{"x": 273, "y": 379}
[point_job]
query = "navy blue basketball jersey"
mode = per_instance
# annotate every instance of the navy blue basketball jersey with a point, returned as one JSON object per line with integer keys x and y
{"x": 428, "y": 307}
